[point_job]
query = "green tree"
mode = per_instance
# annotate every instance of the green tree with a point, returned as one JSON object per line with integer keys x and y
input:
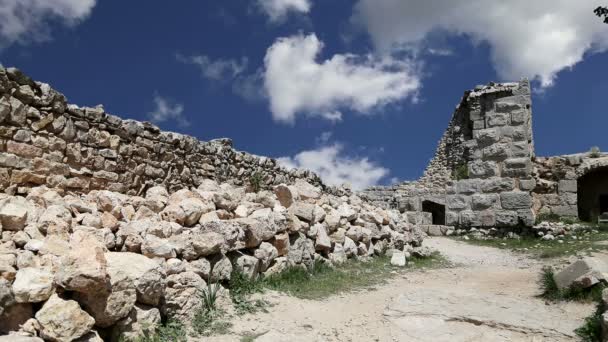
{"x": 602, "y": 12}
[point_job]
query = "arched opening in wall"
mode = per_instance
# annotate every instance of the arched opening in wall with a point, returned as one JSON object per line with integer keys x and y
{"x": 437, "y": 210}
{"x": 593, "y": 194}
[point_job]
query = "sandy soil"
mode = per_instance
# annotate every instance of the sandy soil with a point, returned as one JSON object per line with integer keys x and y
{"x": 489, "y": 295}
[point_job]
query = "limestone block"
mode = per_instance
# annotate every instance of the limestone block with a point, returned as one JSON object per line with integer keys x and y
{"x": 284, "y": 194}
{"x": 266, "y": 253}
{"x": 398, "y": 259}
{"x": 147, "y": 276}
{"x": 457, "y": 202}
{"x": 517, "y": 167}
{"x": 248, "y": 265}
{"x": 484, "y": 201}
{"x": 516, "y": 200}
{"x": 109, "y": 307}
{"x": 33, "y": 285}
{"x": 497, "y": 119}
{"x": 574, "y": 160}
{"x": 506, "y": 218}
{"x": 479, "y": 124}
{"x": 520, "y": 133}
{"x": 567, "y": 186}
{"x": 498, "y": 152}
{"x": 519, "y": 117}
{"x": 469, "y": 218}
{"x": 302, "y": 210}
{"x": 63, "y": 320}
{"x": 483, "y": 169}
{"x": 13, "y": 213}
{"x": 486, "y": 136}
{"x": 487, "y": 218}
{"x": 526, "y": 217}
{"x": 520, "y": 149}
{"x": 583, "y": 273}
{"x": 468, "y": 186}
{"x": 565, "y": 210}
{"x": 506, "y": 107}
{"x": 527, "y": 184}
{"x": 451, "y": 218}
{"x": 23, "y": 150}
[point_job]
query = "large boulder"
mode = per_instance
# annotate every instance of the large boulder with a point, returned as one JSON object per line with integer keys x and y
{"x": 221, "y": 269}
{"x": 257, "y": 230}
{"x": 63, "y": 320}
{"x": 583, "y": 273}
{"x": 141, "y": 320}
{"x": 147, "y": 275}
{"x": 301, "y": 250}
{"x": 306, "y": 190}
{"x": 285, "y": 195}
{"x": 182, "y": 297}
{"x": 303, "y": 211}
{"x": 197, "y": 245}
{"x": 155, "y": 247}
{"x": 84, "y": 268}
{"x": 266, "y": 253}
{"x": 249, "y": 266}
{"x": 33, "y": 285}
{"x": 322, "y": 241}
{"x": 109, "y": 307}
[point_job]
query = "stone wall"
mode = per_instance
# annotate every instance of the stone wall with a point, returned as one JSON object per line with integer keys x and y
{"x": 482, "y": 169}
{"x": 499, "y": 156}
{"x": 558, "y": 182}
{"x": 44, "y": 140}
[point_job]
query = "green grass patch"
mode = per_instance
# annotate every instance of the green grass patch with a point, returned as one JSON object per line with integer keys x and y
{"x": 322, "y": 281}
{"x": 241, "y": 289}
{"x": 591, "y": 330}
{"x": 589, "y": 240}
{"x": 553, "y": 293}
{"x": 210, "y": 322}
{"x": 171, "y": 331}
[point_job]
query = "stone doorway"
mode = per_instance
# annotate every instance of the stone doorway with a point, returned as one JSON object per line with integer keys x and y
{"x": 603, "y": 203}
{"x": 593, "y": 194}
{"x": 437, "y": 210}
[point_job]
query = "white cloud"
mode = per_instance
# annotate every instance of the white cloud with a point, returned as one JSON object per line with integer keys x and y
{"x": 167, "y": 111}
{"x": 27, "y": 20}
{"x": 534, "y": 39}
{"x": 216, "y": 70}
{"x": 277, "y": 10}
{"x": 296, "y": 83}
{"x": 336, "y": 169}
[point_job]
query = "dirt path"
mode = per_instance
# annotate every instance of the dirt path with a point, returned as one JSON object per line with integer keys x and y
{"x": 490, "y": 295}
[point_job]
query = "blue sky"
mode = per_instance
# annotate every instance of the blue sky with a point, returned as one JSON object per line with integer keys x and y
{"x": 360, "y": 91}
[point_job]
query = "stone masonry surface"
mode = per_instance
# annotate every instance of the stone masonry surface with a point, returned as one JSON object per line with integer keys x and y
{"x": 109, "y": 227}
{"x": 45, "y": 140}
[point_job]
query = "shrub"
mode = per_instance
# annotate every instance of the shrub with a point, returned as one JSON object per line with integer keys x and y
{"x": 461, "y": 172}
{"x": 256, "y": 181}
{"x": 209, "y": 295}
{"x": 595, "y": 152}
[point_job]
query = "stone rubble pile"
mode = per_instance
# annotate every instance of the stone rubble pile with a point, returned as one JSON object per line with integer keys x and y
{"x": 552, "y": 230}
{"x": 104, "y": 264}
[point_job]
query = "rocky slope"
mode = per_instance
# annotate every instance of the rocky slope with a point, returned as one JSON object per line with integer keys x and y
{"x": 102, "y": 265}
